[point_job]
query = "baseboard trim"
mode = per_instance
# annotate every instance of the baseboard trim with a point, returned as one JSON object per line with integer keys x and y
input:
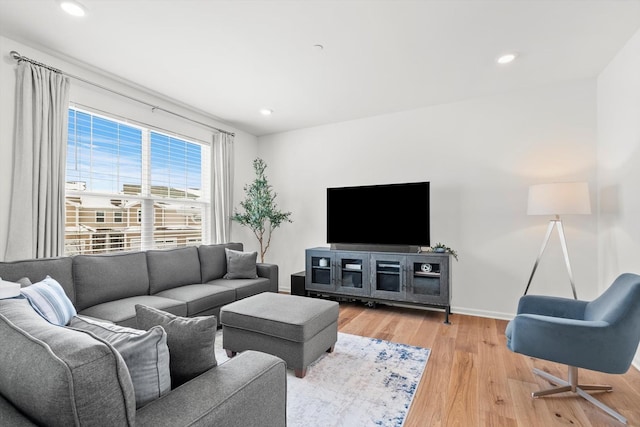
{"x": 636, "y": 362}
{"x": 482, "y": 313}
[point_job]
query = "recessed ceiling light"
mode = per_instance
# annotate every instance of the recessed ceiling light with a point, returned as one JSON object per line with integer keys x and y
{"x": 506, "y": 58}
{"x": 72, "y": 7}
{"x": 266, "y": 112}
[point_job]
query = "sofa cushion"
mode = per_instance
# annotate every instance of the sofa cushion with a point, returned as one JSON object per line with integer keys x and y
{"x": 49, "y": 300}
{"x": 123, "y": 312}
{"x": 171, "y": 268}
{"x": 245, "y": 287}
{"x": 241, "y": 265}
{"x": 103, "y": 278}
{"x": 145, "y": 353}
{"x": 200, "y": 298}
{"x": 191, "y": 341}
{"x": 213, "y": 260}
{"x": 37, "y": 269}
{"x": 59, "y": 376}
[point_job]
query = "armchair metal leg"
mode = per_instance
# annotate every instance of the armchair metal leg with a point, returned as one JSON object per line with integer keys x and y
{"x": 573, "y": 386}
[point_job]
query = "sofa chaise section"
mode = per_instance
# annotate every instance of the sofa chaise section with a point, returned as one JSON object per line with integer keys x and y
{"x": 59, "y": 376}
{"x": 56, "y": 376}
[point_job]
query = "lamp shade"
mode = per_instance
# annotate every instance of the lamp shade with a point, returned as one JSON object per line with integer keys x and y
{"x": 559, "y": 199}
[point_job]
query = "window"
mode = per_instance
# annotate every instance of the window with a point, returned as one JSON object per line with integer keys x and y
{"x": 151, "y": 183}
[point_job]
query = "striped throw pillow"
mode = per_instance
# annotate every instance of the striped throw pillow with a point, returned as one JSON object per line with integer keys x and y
{"x": 49, "y": 300}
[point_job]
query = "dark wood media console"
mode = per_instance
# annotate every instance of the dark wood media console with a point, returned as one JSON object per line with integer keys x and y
{"x": 422, "y": 279}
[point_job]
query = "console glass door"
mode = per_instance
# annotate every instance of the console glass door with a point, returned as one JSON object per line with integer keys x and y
{"x": 388, "y": 276}
{"x": 352, "y": 272}
{"x": 320, "y": 271}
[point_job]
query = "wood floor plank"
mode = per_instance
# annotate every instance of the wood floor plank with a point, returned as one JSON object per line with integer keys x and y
{"x": 473, "y": 379}
{"x": 462, "y": 408}
{"x": 429, "y": 404}
{"x": 493, "y": 391}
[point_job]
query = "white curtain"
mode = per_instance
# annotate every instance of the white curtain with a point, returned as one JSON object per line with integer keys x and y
{"x": 222, "y": 187}
{"x": 36, "y": 216}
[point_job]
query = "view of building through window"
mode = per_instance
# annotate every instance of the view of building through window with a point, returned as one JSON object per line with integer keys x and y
{"x": 129, "y": 187}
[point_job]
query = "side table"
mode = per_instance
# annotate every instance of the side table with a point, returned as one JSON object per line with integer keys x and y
{"x": 297, "y": 284}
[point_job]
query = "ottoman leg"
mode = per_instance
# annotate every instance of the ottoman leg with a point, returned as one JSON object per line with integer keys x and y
{"x": 300, "y": 373}
{"x": 330, "y": 349}
{"x": 230, "y": 353}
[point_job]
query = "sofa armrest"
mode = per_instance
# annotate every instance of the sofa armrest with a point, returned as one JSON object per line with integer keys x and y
{"x": 248, "y": 390}
{"x": 11, "y": 416}
{"x": 270, "y": 271}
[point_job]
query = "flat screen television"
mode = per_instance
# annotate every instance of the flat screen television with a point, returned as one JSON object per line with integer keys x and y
{"x": 392, "y": 214}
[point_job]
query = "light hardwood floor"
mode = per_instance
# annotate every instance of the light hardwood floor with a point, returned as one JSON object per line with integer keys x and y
{"x": 472, "y": 379}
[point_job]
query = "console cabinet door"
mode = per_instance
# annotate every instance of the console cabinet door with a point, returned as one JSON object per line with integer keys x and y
{"x": 320, "y": 274}
{"x": 388, "y": 279}
{"x": 352, "y": 273}
{"x": 428, "y": 279}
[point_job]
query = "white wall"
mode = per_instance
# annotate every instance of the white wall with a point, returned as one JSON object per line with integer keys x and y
{"x": 480, "y": 156}
{"x": 618, "y": 161}
{"x": 245, "y": 145}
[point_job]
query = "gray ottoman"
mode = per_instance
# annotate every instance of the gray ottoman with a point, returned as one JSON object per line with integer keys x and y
{"x": 296, "y": 329}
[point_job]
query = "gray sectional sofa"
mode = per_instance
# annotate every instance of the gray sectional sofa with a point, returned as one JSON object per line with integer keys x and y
{"x": 51, "y": 375}
{"x": 185, "y": 281}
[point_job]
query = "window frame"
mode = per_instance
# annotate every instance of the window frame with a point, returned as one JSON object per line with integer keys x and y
{"x": 147, "y": 197}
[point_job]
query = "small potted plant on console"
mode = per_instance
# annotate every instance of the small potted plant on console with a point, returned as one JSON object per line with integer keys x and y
{"x": 442, "y": 248}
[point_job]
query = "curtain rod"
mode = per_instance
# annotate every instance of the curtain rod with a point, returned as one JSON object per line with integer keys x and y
{"x": 17, "y": 57}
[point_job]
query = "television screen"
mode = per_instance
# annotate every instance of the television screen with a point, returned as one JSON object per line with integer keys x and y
{"x": 393, "y": 214}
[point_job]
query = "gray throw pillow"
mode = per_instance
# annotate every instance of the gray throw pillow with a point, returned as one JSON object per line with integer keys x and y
{"x": 241, "y": 265}
{"x": 144, "y": 352}
{"x": 191, "y": 341}
{"x": 24, "y": 282}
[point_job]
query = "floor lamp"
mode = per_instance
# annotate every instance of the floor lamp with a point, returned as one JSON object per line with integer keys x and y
{"x": 567, "y": 198}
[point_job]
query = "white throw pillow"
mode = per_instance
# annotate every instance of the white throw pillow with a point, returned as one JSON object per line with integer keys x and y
{"x": 49, "y": 300}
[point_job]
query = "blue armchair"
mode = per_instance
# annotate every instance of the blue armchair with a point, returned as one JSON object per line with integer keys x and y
{"x": 600, "y": 335}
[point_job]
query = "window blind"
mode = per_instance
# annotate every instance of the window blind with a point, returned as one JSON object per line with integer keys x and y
{"x": 129, "y": 187}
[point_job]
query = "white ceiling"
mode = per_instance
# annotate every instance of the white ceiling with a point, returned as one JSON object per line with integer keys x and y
{"x": 232, "y": 58}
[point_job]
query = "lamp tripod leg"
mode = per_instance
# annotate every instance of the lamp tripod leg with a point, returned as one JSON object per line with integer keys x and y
{"x": 542, "y": 248}
{"x": 565, "y": 251}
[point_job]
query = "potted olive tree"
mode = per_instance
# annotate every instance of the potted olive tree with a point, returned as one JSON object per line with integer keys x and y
{"x": 261, "y": 214}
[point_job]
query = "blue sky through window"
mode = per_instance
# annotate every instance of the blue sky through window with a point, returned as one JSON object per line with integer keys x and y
{"x": 106, "y": 155}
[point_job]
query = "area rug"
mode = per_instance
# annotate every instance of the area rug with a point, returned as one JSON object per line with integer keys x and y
{"x": 364, "y": 382}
